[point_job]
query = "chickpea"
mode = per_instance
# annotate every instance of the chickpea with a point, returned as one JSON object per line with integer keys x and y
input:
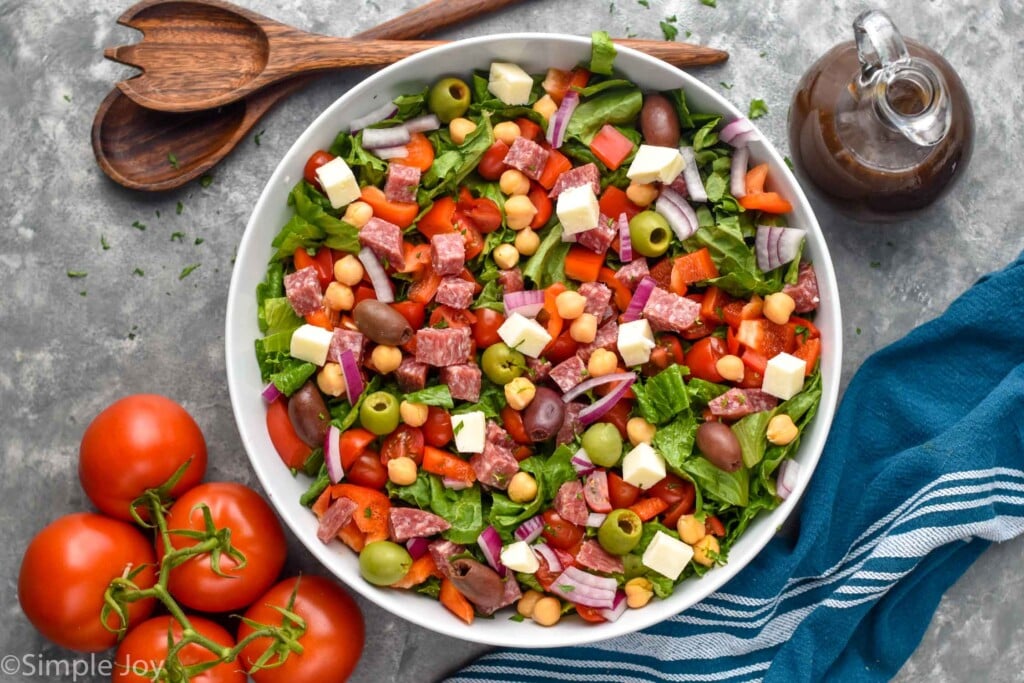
{"x": 781, "y": 430}
{"x": 519, "y": 393}
{"x": 527, "y": 242}
{"x": 528, "y": 602}
{"x": 331, "y": 380}
{"x": 459, "y": 128}
{"x": 570, "y": 304}
{"x": 690, "y": 529}
{"x": 413, "y": 414}
{"x": 584, "y": 328}
{"x": 339, "y": 297}
{"x": 514, "y": 182}
{"x": 505, "y": 256}
{"x": 640, "y": 431}
{"x": 639, "y": 592}
{"x": 386, "y": 358}
{"x": 730, "y": 367}
{"x": 348, "y": 270}
{"x": 507, "y": 132}
{"x": 705, "y": 551}
{"x": 547, "y": 611}
{"x": 522, "y": 488}
{"x": 778, "y": 307}
{"x": 602, "y": 362}
{"x": 642, "y": 194}
{"x": 546, "y": 107}
{"x": 358, "y": 214}
{"x": 402, "y": 471}
{"x": 519, "y": 212}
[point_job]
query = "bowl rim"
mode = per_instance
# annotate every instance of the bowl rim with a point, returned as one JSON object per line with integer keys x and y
{"x": 754, "y": 538}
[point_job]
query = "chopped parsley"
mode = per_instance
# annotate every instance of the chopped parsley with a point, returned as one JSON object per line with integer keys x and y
{"x": 206, "y": 181}
{"x": 82, "y": 293}
{"x": 709, "y": 3}
{"x": 67, "y": 98}
{"x": 139, "y": 272}
{"x": 789, "y": 162}
{"x": 179, "y": 208}
{"x": 644, "y": 3}
{"x": 875, "y": 264}
{"x": 669, "y": 30}
{"x": 187, "y": 270}
{"x": 858, "y": 330}
{"x": 256, "y": 138}
{"x": 727, "y": 86}
{"x": 172, "y": 159}
{"x": 77, "y": 273}
{"x": 757, "y": 109}
{"x": 139, "y": 225}
{"x": 567, "y": 589}
{"x": 104, "y": 243}
{"x": 177, "y": 236}
{"x": 458, "y": 428}
{"x": 367, "y": 513}
{"x": 199, "y": 240}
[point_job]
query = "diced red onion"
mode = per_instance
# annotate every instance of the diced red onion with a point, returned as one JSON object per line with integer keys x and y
{"x": 379, "y": 278}
{"x": 744, "y": 139}
{"x": 587, "y": 385}
{"x": 617, "y": 608}
{"x": 560, "y": 119}
{"x": 490, "y": 543}
{"x": 625, "y": 241}
{"x": 455, "y": 484}
{"x": 353, "y": 378}
{"x": 417, "y": 547}
{"x": 596, "y": 519}
{"x": 422, "y": 124}
{"x": 738, "y": 173}
{"x": 582, "y": 463}
{"x": 527, "y": 303}
{"x": 271, "y": 393}
{"x": 332, "y": 454}
{"x": 583, "y": 588}
{"x": 776, "y": 246}
{"x": 785, "y": 481}
{"x": 739, "y": 132}
{"x": 529, "y": 530}
{"x": 678, "y": 212}
{"x": 691, "y": 174}
{"x": 550, "y": 558}
{"x": 636, "y": 305}
{"x": 595, "y": 411}
{"x": 385, "y": 137}
{"x": 397, "y": 152}
{"x": 384, "y": 111}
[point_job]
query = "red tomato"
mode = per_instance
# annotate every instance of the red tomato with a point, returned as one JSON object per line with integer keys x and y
{"x": 323, "y": 263}
{"x": 331, "y": 644}
{"x": 289, "y": 446}
{"x": 353, "y": 443}
{"x": 368, "y": 471}
{"x": 135, "y": 444}
{"x": 405, "y": 441}
{"x": 485, "y": 330}
{"x": 65, "y": 571}
{"x": 474, "y": 241}
{"x": 484, "y": 213}
{"x": 318, "y": 159}
{"x": 255, "y": 532}
{"x": 591, "y": 614}
{"x": 671, "y": 343}
{"x": 619, "y": 416}
{"x": 513, "y": 421}
{"x": 412, "y": 311}
{"x": 144, "y": 650}
{"x": 678, "y": 493}
{"x": 713, "y": 525}
{"x": 492, "y": 164}
{"x": 621, "y": 493}
{"x": 438, "y": 429}
{"x": 539, "y": 198}
{"x": 562, "y": 348}
{"x": 363, "y": 292}
{"x": 702, "y": 357}
{"x": 560, "y": 533}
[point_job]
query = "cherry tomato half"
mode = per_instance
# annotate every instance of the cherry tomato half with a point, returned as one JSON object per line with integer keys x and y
{"x": 678, "y": 493}
{"x": 406, "y": 442}
{"x": 513, "y": 421}
{"x": 412, "y": 311}
{"x": 315, "y": 161}
{"x": 485, "y": 330}
{"x": 560, "y": 533}
{"x": 438, "y": 428}
{"x": 492, "y": 164}
{"x": 368, "y": 471}
{"x": 702, "y": 357}
{"x": 621, "y": 494}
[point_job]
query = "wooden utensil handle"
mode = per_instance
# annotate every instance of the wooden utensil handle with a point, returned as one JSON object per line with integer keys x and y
{"x": 433, "y": 16}
{"x": 676, "y": 54}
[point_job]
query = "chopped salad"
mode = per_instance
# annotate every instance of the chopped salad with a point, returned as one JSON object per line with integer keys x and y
{"x": 539, "y": 340}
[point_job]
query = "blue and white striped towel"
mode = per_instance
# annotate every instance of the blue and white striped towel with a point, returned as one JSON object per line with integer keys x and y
{"x": 922, "y": 469}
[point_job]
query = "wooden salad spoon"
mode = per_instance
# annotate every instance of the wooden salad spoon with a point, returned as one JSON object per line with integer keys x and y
{"x": 200, "y": 54}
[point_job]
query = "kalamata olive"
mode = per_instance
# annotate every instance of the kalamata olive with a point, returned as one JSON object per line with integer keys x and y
{"x": 544, "y": 415}
{"x": 717, "y": 442}
{"x": 381, "y": 323}
{"x": 309, "y": 414}
{"x": 479, "y": 583}
{"x": 659, "y": 122}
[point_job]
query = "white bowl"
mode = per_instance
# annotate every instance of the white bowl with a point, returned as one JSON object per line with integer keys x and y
{"x": 535, "y": 52}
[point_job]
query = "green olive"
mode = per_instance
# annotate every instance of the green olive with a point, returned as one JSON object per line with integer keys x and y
{"x": 449, "y": 99}
{"x": 379, "y": 413}
{"x": 501, "y": 363}
{"x": 383, "y": 562}
{"x": 603, "y": 444}
{"x": 649, "y": 233}
{"x": 620, "y": 531}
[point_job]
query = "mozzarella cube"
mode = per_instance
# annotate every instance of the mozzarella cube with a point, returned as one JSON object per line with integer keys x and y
{"x": 509, "y": 83}
{"x": 469, "y": 430}
{"x": 338, "y": 182}
{"x": 525, "y": 335}
{"x": 578, "y": 209}
{"x": 310, "y": 343}
{"x": 655, "y": 164}
{"x": 519, "y": 557}
{"x": 666, "y": 555}
{"x": 643, "y": 466}
{"x": 636, "y": 339}
{"x": 784, "y": 376}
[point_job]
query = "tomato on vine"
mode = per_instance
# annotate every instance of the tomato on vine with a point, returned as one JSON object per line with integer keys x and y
{"x": 145, "y": 650}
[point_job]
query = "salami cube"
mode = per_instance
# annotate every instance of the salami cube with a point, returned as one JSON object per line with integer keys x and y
{"x": 668, "y": 312}
{"x": 587, "y": 174}
{"x": 569, "y": 503}
{"x": 384, "y": 239}
{"x": 442, "y": 551}
{"x": 527, "y": 156}
{"x": 598, "y": 296}
{"x": 441, "y": 348}
{"x": 303, "y": 291}
{"x": 406, "y": 523}
{"x": 455, "y": 292}
{"x": 805, "y": 291}
{"x": 537, "y": 369}
{"x": 401, "y": 183}
{"x": 411, "y": 375}
{"x": 463, "y": 381}
{"x": 495, "y": 466}
{"x": 571, "y": 425}
{"x": 633, "y": 272}
{"x": 511, "y": 280}
{"x": 447, "y": 253}
{"x": 598, "y": 238}
{"x": 510, "y": 594}
{"x": 497, "y": 435}
{"x": 679, "y": 185}
{"x": 607, "y": 338}
{"x": 737, "y": 402}
{"x": 346, "y": 340}
{"x": 569, "y": 373}
{"x": 334, "y": 520}
{"x": 592, "y": 556}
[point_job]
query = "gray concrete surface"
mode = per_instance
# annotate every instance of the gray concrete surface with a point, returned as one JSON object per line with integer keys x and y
{"x": 70, "y": 346}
